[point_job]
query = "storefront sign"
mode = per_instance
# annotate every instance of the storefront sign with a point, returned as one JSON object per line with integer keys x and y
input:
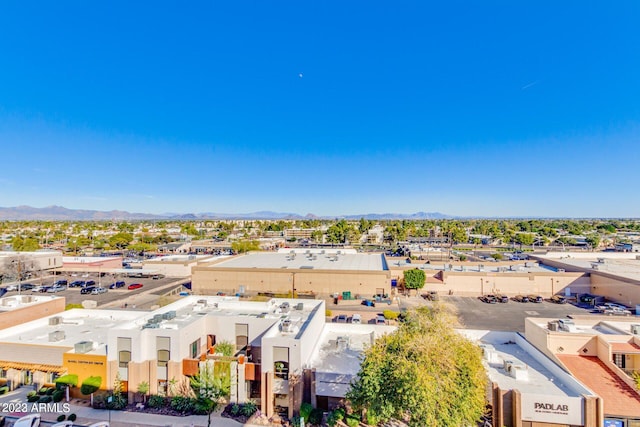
{"x": 552, "y": 409}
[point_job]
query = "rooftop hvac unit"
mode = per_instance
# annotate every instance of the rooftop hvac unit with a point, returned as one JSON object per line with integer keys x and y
{"x": 56, "y": 336}
{"x": 55, "y": 320}
{"x": 299, "y": 306}
{"x": 601, "y": 260}
{"x": 286, "y": 325}
{"x": 83, "y": 346}
{"x": 561, "y": 270}
{"x": 342, "y": 343}
{"x": 202, "y": 301}
{"x": 635, "y": 329}
{"x": 151, "y": 326}
{"x": 552, "y": 326}
{"x": 595, "y": 265}
{"x": 169, "y": 315}
{"x": 157, "y": 318}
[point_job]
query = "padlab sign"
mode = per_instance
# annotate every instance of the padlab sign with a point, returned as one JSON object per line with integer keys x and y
{"x": 552, "y": 409}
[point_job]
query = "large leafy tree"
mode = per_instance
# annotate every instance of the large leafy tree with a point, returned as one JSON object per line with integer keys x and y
{"x": 424, "y": 373}
{"x": 414, "y": 279}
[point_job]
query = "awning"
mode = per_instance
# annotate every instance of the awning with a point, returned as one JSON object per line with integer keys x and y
{"x": 625, "y": 347}
{"x": 31, "y": 366}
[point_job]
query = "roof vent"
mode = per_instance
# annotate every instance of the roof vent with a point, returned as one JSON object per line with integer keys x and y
{"x": 83, "y": 347}
{"x": 635, "y": 329}
{"x": 55, "y": 320}
{"x": 56, "y": 336}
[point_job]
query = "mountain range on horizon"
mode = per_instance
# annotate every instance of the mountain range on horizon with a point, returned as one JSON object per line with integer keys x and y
{"x": 60, "y": 213}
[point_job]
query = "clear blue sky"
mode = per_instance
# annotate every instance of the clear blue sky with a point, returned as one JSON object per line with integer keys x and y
{"x": 329, "y": 107}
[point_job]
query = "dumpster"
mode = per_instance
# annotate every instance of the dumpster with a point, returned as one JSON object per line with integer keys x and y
{"x": 346, "y": 295}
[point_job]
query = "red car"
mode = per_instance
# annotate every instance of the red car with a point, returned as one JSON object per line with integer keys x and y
{"x": 134, "y": 286}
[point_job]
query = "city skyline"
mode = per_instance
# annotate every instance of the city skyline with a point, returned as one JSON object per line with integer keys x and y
{"x": 485, "y": 110}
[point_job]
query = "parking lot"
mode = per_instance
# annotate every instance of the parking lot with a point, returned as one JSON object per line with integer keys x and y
{"x": 475, "y": 314}
{"x": 73, "y": 295}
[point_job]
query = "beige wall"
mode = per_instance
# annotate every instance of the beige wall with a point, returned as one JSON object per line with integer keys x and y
{"x": 618, "y": 290}
{"x": 31, "y": 312}
{"x": 211, "y": 280}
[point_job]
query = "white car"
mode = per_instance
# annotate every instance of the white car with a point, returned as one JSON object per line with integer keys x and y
{"x": 616, "y": 311}
{"x": 12, "y": 288}
{"x": 356, "y": 318}
{"x": 56, "y": 288}
{"x": 99, "y": 290}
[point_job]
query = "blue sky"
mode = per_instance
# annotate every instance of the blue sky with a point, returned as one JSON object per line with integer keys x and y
{"x": 467, "y": 108}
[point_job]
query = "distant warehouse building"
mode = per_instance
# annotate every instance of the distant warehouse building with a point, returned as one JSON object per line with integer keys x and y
{"x": 324, "y": 271}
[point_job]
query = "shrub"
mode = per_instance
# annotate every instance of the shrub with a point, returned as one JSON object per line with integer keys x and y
{"x": 45, "y": 399}
{"x": 60, "y": 418}
{"x": 352, "y": 421}
{"x": 90, "y": 385}
{"x": 225, "y": 348}
{"x": 316, "y": 416}
{"x": 372, "y": 418}
{"x": 50, "y": 391}
{"x": 156, "y": 401}
{"x": 4, "y": 390}
{"x": 118, "y": 402}
{"x": 43, "y": 390}
{"x": 202, "y": 406}
{"x": 248, "y": 409}
{"x": 183, "y": 404}
{"x": 69, "y": 379}
{"x": 335, "y": 417}
{"x": 235, "y": 409}
{"x": 328, "y": 313}
{"x": 34, "y": 398}
{"x": 390, "y": 315}
{"x": 72, "y": 417}
{"x": 32, "y": 393}
{"x": 463, "y": 257}
{"x": 305, "y": 410}
{"x": 58, "y": 395}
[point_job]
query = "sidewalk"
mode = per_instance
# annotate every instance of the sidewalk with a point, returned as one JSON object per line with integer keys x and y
{"x": 87, "y": 415}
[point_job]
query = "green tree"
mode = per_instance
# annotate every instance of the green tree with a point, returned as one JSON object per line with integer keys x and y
{"x": 120, "y": 240}
{"x": 593, "y": 240}
{"x": 143, "y": 389}
{"x": 208, "y": 388}
{"x": 242, "y": 246}
{"x": 424, "y": 371}
{"x": 414, "y": 279}
{"x": 526, "y": 239}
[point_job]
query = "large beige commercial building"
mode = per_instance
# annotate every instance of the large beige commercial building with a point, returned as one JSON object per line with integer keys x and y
{"x": 303, "y": 270}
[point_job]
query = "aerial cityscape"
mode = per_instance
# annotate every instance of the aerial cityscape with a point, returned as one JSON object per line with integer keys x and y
{"x": 319, "y": 214}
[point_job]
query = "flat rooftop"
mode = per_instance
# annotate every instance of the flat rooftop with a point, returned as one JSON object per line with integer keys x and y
{"x": 618, "y": 264}
{"x": 318, "y": 261}
{"x": 181, "y": 258}
{"x": 339, "y": 349}
{"x": 19, "y": 301}
{"x": 509, "y": 348}
{"x": 591, "y": 325}
{"x": 487, "y": 267}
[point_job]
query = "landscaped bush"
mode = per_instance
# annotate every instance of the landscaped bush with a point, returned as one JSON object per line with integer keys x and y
{"x": 45, "y": 399}
{"x": 4, "y": 390}
{"x": 50, "y": 391}
{"x": 305, "y": 410}
{"x": 335, "y": 417}
{"x": 33, "y": 398}
{"x": 248, "y": 409}
{"x": 390, "y": 315}
{"x": 60, "y": 418}
{"x": 58, "y": 395}
{"x": 69, "y": 379}
{"x": 72, "y": 417}
{"x": 43, "y": 390}
{"x": 156, "y": 401}
{"x": 202, "y": 406}
{"x": 328, "y": 313}
{"x": 316, "y": 416}
{"x": 352, "y": 420}
{"x": 372, "y": 418}
{"x": 235, "y": 410}
{"x": 90, "y": 385}
{"x": 183, "y": 404}
{"x": 32, "y": 393}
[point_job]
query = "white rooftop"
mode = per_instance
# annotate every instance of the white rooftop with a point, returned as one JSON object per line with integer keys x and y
{"x": 19, "y": 301}
{"x": 616, "y": 263}
{"x": 536, "y": 374}
{"x": 318, "y": 261}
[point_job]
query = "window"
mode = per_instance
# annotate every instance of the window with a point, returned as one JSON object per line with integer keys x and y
{"x": 163, "y": 347}
{"x": 242, "y": 336}
{"x": 619, "y": 360}
{"x": 124, "y": 357}
{"x": 194, "y": 350}
{"x": 281, "y": 362}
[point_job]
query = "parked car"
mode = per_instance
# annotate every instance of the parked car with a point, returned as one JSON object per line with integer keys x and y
{"x": 380, "y": 320}
{"x": 521, "y": 298}
{"x": 535, "y": 298}
{"x": 368, "y": 303}
{"x": 489, "y": 299}
{"x": 90, "y": 283}
{"x": 77, "y": 284}
{"x": 611, "y": 305}
{"x": 61, "y": 282}
{"x": 118, "y": 284}
{"x": 56, "y": 288}
{"x": 431, "y": 296}
{"x": 616, "y": 311}
{"x": 12, "y": 288}
{"x": 503, "y": 299}
{"x": 558, "y": 299}
{"x": 356, "y": 318}
{"x": 27, "y": 286}
{"x": 134, "y": 286}
{"x": 98, "y": 290}
{"x": 88, "y": 290}
{"x": 38, "y": 288}
{"x": 341, "y": 318}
